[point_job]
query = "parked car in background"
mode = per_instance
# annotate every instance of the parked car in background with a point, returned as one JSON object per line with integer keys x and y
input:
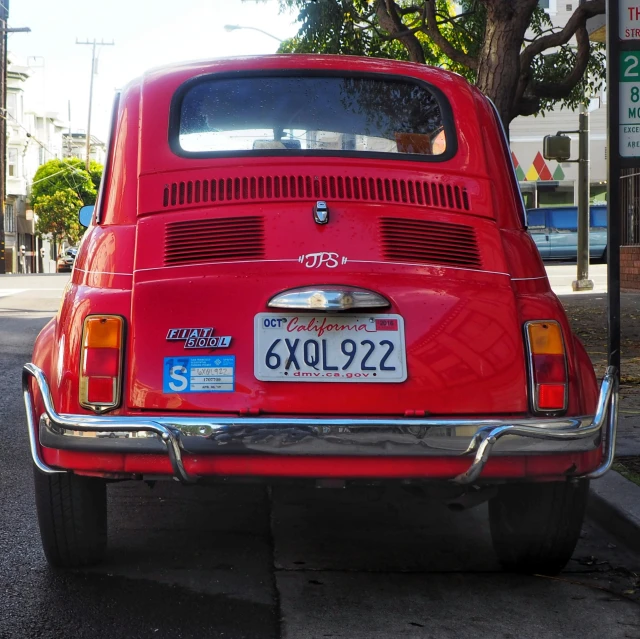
{"x": 555, "y": 232}
{"x": 66, "y": 260}
{"x": 364, "y": 304}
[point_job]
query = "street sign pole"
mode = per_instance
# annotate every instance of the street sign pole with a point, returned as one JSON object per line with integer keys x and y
{"x": 623, "y": 140}
{"x": 613, "y": 181}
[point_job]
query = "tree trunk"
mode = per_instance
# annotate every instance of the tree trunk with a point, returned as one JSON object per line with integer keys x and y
{"x": 499, "y": 59}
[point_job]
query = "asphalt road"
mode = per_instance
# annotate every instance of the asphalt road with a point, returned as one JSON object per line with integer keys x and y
{"x": 293, "y": 562}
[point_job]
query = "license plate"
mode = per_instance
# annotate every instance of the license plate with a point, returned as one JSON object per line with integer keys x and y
{"x": 329, "y": 348}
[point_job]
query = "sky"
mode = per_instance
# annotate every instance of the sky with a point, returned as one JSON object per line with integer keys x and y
{"x": 146, "y": 33}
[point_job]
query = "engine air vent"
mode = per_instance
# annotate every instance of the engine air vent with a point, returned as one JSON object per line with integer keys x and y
{"x": 308, "y": 187}
{"x": 430, "y": 242}
{"x": 213, "y": 240}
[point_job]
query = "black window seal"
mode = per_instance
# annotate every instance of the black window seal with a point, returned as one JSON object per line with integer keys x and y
{"x": 443, "y": 103}
{"x": 513, "y": 178}
{"x": 106, "y": 170}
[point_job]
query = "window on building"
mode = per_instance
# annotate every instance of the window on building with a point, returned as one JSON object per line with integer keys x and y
{"x": 12, "y": 105}
{"x": 555, "y": 193}
{"x": 9, "y": 219}
{"x": 12, "y": 163}
{"x": 548, "y": 5}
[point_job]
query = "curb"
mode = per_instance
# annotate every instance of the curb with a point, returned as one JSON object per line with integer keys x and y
{"x": 614, "y": 503}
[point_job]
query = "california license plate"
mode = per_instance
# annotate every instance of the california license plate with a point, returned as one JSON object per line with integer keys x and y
{"x": 329, "y": 348}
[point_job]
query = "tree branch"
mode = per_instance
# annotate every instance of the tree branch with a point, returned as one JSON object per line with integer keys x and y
{"x": 560, "y": 90}
{"x": 404, "y": 11}
{"x": 391, "y": 22}
{"x": 528, "y": 92}
{"x": 578, "y": 19}
{"x": 432, "y": 30}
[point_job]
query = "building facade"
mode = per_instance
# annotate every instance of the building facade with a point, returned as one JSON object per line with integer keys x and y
{"x": 547, "y": 182}
{"x": 15, "y": 214}
{"x": 33, "y": 138}
{"x": 75, "y": 146}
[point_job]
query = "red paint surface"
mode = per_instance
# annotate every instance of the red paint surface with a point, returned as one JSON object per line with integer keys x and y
{"x": 465, "y": 352}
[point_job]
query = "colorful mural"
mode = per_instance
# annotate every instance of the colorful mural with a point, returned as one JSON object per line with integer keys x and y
{"x": 538, "y": 171}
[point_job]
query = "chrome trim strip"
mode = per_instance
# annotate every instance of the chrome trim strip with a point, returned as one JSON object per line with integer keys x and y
{"x": 162, "y": 268}
{"x": 525, "y": 279}
{"x": 434, "y": 266}
{"x": 33, "y": 443}
{"x": 327, "y": 297}
{"x": 75, "y": 268}
{"x": 611, "y": 432}
{"x": 372, "y": 436}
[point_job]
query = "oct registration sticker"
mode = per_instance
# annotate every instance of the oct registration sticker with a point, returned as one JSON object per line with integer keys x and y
{"x": 199, "y": 374}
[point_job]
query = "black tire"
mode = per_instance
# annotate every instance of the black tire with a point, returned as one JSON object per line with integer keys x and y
{"x": 535, "y": 527}
{"x": 72, "y": 514}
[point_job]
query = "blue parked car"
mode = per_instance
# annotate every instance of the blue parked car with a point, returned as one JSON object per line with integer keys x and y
{"x": 555, "y": 232}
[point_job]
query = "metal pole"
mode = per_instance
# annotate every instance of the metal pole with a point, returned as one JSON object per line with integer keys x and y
{"x": 583, "y": 283}
{"x": 93, "y": 68}
{"x": 93, "y": 44}
{"x": 613, "y": 181}
{"x": 4, "y": 16}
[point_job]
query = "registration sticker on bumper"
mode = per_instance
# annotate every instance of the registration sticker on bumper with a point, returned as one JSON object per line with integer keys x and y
{"x": 199, "y": 374}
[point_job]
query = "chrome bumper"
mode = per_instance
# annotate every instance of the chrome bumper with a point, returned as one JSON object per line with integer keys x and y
{"x": 479, "y": 438}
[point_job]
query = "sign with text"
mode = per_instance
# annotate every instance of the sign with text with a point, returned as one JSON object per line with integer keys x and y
{"x": 629, "y": 124}
{"x": 629, "y": 23}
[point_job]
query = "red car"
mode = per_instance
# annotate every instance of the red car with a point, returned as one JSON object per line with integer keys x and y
{"x": 314, "y": 267}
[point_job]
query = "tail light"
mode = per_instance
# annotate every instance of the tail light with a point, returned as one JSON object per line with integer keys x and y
{"x": 547, "y": 367}
{"x": 101, "y": 362}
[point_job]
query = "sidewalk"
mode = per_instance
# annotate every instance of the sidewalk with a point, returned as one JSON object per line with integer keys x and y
{"x": 562, "y": 275}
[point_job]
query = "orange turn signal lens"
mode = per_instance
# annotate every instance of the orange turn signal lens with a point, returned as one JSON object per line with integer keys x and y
{"x": 102, "y": 331}
{"x": 545, "y": 338}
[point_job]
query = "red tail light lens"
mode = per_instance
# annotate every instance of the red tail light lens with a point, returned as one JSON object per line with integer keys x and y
{"x": 101, "y": 362}
{"x": 548, "y": 367}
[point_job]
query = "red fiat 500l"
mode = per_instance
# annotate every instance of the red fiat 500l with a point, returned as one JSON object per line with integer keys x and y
{"x": 314, "y": 267}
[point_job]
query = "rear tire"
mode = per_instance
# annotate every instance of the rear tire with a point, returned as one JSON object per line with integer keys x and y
{"x": 72, "y": 514}
{"x": 535, "y": 527}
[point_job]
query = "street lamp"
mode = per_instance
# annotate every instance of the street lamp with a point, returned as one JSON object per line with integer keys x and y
{"x": 235, "y": 27}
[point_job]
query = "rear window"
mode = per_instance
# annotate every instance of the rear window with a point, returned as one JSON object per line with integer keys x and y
{"x": 312, "y": 115}
{"x": 599, "y": 218}
{"x": 563, "y": 219}
{"x": 535, "y": 220}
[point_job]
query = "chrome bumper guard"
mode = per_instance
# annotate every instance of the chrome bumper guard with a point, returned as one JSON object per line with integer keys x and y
{"x": 322, "y": 436}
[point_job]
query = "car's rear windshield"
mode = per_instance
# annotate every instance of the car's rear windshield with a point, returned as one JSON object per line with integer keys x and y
{"x": 313, "y": 114}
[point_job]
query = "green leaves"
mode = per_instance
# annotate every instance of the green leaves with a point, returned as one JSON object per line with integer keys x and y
{"x": 58, "y": 215}
{"x": 59, "y": 189}
{"x": 509, "y": 48}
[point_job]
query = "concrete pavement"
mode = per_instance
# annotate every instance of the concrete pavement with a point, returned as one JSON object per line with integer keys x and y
{"x": 293, "y": 562}
{"x": 562, "y": 275}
